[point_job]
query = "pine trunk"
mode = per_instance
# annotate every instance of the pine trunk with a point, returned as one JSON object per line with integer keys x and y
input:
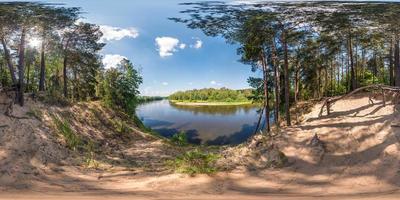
{"x": 391, "y": 81}
{"x": 277, "y": 84}
{"x": 352, "y": 72}
{"x": 42, "y": 66}
{"x": 28, "y": 71}
{"x": 10, "y": 65}
{"x": 265, "y": 80}
{"x": 21, "y": 68}
{"x": 286, "y": 73}
{"x": 397, "y": 61}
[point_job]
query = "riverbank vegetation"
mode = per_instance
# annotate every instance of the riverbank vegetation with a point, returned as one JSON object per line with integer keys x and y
{"x": 211, "y": 96}
{"x": 144, "y": 99}
{"x": 306, "y": 50}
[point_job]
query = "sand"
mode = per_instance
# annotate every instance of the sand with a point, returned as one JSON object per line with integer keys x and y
{"x": 360, "y": 160}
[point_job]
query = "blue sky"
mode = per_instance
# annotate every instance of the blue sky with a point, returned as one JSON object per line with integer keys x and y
{"x": 133, "y": 27}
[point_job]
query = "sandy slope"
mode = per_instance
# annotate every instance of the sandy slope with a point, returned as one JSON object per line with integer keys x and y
{"x": 361, "y": 161}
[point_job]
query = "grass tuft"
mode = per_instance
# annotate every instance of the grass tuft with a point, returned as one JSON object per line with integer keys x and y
{"x": 35, "y": 113}
{"x": 64, "y": 128}
{"x": 180, "y": 139}
{"x": 195, "y": 162}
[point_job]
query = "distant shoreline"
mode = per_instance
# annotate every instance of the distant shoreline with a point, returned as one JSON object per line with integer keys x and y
{"x": 183, "y": 103}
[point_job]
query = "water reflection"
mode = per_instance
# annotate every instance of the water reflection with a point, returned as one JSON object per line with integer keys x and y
{"x": 213, "y": 125}
{"x": 215, "y": 110}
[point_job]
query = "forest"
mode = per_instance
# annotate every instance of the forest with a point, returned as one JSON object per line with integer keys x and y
{"x": 73, "y": 126}
{"x": 49, "y": 53}
{"x": 305, "y": 50}
{"x": 212, "y": 95}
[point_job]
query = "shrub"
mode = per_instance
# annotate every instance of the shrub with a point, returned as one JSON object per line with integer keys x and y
{"x": 195, "y": 162}
{"x": 180, "y": 139}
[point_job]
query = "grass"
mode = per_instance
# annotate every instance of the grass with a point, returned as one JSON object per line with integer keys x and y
{"x": 90, "y": 161}
{"x": 74, "y": 142}
{"x": 64, "y": 128}
{"x": 209, "y": 103}
{"x": 195, "y": 162}
{"x": 35, "y": 113}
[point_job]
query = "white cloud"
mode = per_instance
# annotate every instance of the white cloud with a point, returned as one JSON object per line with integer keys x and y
{"x": 166, "y": 46}
{"x": 165, "y": 83}
{"x": 182, "y": 46}
{"x": 112, "y": 60}
{"x": 213, "y": 82}
{"x": 116, "y": 33}
{"x": 198, "y": 44}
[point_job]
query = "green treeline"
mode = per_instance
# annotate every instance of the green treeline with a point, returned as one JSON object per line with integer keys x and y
{"x": 48, "y": 52}
{"x": 143, "y": 99}
{"x": 212, "y": 95}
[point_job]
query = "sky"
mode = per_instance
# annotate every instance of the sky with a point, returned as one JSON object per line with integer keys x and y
{"x": 169, "y": 56}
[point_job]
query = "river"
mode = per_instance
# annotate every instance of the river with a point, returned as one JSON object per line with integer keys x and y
{"x": 211, "y": 125}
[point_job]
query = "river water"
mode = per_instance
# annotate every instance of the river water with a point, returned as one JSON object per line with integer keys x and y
{"x": 211, "y": 125}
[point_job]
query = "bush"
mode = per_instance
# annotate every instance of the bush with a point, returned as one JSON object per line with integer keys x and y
{"x": 195, "y": 162}
{"x": 180, "y": 139}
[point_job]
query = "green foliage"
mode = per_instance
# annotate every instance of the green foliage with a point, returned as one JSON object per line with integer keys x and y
{"x": 64, "y": 128}
{"x": 143, "y": 99}
{"x": 180, "y": 139}
{"x": 119, "y": 88}
{"x": 212, "y": 95}
{"x": 120, "y": 126}
{"x": 90, "y": 161}
{"x": 195, "y": 162}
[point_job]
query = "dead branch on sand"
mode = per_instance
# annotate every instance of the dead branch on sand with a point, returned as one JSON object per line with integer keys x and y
{"x": 383, "y": 88}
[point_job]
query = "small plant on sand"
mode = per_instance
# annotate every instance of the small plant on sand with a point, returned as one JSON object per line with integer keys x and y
{"x": 64, "y": 128}
{"x": 36, "y": 113}
{"x": 180, "y": 139}
{"x": 194, "y": 162}
{"x": 90, "y": 161}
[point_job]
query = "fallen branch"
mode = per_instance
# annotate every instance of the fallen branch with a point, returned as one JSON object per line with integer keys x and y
{"x": 330, "y": 101}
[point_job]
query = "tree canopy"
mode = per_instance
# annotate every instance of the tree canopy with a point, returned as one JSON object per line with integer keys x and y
{"x": 66, "y": 63}
{"x": 306, "y": 49}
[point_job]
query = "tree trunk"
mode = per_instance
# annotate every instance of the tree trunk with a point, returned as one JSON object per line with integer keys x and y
{"x": 397, "y": 61}
{"x": 332, "y": 77}
{"x": 7, "y": 56}
{"x": 391, "y": 82}
{"x": 352, "y": 73}
{"x": 42, "y": 66}
{"x": 277, "y": 84}
{"x": 21, "y": 68}
{"x": 318, "y": 83}
{"x": 265, "y": 80}
{"x": 348, "y": 87}
{"x": 356, "y": 71}
{"x": 296, "y": 83}
{"x": 286, "y": 73}
{"x": 65, "y": 76}
{"x": 363, "y": 63}
{"x": 28, "y": 77}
